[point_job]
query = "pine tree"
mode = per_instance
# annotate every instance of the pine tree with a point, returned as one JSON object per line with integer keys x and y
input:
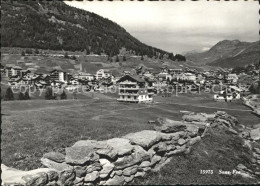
{"x": 9, "y": 95}
{"x": 142, "y": 57}
{"x": 63, "y": 95}
{"x": 49, "y": 94}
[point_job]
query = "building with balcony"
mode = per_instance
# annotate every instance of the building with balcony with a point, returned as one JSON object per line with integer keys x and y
{"x": 58, "y": 75}
{"x": 103, "y": 74}
{"x": 135, "y": 89}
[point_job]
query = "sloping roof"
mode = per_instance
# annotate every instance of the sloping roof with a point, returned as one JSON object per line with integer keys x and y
{"x": 133, "y": 77}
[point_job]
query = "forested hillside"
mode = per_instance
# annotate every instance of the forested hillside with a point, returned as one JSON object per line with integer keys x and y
{"x": 57, "y": 26}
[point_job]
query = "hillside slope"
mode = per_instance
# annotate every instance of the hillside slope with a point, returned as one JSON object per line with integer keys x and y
{"x": 228, "y": 54}
{"x": 57, "y": 26}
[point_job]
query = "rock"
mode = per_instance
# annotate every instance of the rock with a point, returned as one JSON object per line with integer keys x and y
{"x": 181, "y": 141}
{"x": 186, "y": 112}
{"x": 91, "y": 176}
{"x": 244, "y": 134}
{"x": 170, "y": 147}
{"x": 139, "y": 174}
{"x": 255, "y": 155}
{"x": 169, "y": 126}
{"x": 195, "y": 117}
{"x": 193, "y": 130}
{"x": 79, "y": 155}
{"x": 78, "y": 181}
{"x": 224, "y": 122}
{"x": 178, "y": 135}
{"x": 40, "y": 178}
{"x": 256, "y": 126}
{"x": 80, "y": 171}
{"x": 147, "y": 169}
{"x": 257, "y": 150}
{"x": 155, "y": 159}
{"x": 55, "y": 156}
{"x": 145, "y": 164}
{"x": 255, "y": 134}
{"x": 121, "y": 146}
{"x": 160, "y": 147}
{"x": 241, "y": 167}
{"x": 67, "y": 177}
{"x": 52, "y": 175}
{"x": 139, "y": 155}
{"x": 54, "y": 165}
{"x": 145, "y": 138}
{"x": 116, "y": 180}
{"x": 232, "y": 131}
{"x": 178, "y": 150}
{"x": 107, "y": 168}
{"x": 192, "y": 141}
{"x": 119, "y": 172}
{"x": 93, "y": 167}
{"x": 130, "y": 171}
{"x": 151, "y": 152}
{"x": 129, "y": 179}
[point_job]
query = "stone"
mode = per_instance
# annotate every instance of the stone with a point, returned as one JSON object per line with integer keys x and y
{"x": 181, "y": 141}
{"x": 232, "y": 131}
{"x": 80, "y": 155}
{"x": 255, "y": 155}
{"x": 178, "y": 150}
{"x": 11, "y": 176}
{"x": 67, "y": 177}
{"x": 244, "y": 134}
{"x": 178, "y": 135}
{"x": 192, "y": 130}
{"x": 139, "y": 174}
{"x": 147, "y": 169}
{"x": 257, "y": 150}
{"x": 255, "y": 134}
{"x": 139, "y": 155}
{"x": 145, "y": 164}
{"x": 54, "y": 165}
{"x": 91, "y": 176}
{"x": 145, "y": 138}
{"x": 169, "y": 126}
{"x": 78, "y": 181}
{"x": 129, "y": 179}
{"x": 256, "y": 126}
{"x": 170, "y": 147}
{"x": 192, "y": 141}
{"x": 119, "y": 172}
{"x": 107, "y": 168}
{"x": 151, "y": 152}
{"x": 130, "y": 171}
{"x": 155, "y": 159}
{"x": 80, "y": 171}
{"x": 40, "y": 178}
{"x": 116, "y": 180}
{"x": 93, "y": 167}
{"x": 52, "y": 175}
{"x": 160, "y": 147}
{"x": 55, "y": 156}
{"x": 121, "y": 146}
{"x": 194, "y": 117}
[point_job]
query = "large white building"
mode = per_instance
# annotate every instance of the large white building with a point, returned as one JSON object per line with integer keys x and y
{"x": 103, "y": 73}
{"x": 135, "y": 89}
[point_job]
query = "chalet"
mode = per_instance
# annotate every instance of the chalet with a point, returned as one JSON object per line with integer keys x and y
{"x": 103, "y": 73}
{"x": 86, "y": 76}
{"x": 58, "y": 75}
{"x": 13, "y": 71}
{"x": 175, "y": 71}
{"x": 135, "y": 89}
{"x": 232, "y": 78}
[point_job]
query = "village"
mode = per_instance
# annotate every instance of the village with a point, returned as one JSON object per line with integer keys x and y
{"x": 138, "y": 85}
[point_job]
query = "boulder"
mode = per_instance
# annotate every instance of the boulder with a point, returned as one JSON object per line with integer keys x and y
{"x": 121, "y": 146}
{"x": 91, "y": 176}
{"x": 194, "y": 140}
{"x": 130, "y": 171}
{"x": 145, "y": 138}
{"x": 256, "y": 126}
{"x": 170, "y": 147}
{"x": 257, "y": 150}
{"x": 139, "y": 155}
{"x": 139, "y": 174}
{"x": 54, "y": 165}
{"x": 93, "y": 167}
{"x": 107, "y": 168}
{"x": 67, "y": 177}
{"x": 195, "y": 117}
{"x": 192, "y": 130}
{"x": 80, "y": 155}
{"x": 145, "y": 164}
{"x": 181, "y": 141}
{"x": 232, "y": 131}
{"x": 178, "y": 150}
{"x": 129, "y": 179}
{"x": 55, "y": 156}
{"x": 255, "y": 134}
{"x": 119, "y": 172}
{"x": 169, "y": 126}
{"x": 80, "y": 171}
{"x": 40, "y": 178}
{"x": 78, "y": 181}
{"x": 155, "y": 159}
{"x": 116, "y": 180}
{"x": 160, "y": 147}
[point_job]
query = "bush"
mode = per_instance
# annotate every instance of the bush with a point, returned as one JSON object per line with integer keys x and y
{"x": 49, "y": 94}
{"x": 9, "y": 95}
{"x": 63, "y": 95}
{"x": 124, "y": 58}
{"x": 117, "y": 59}
{"x": 21, "y": 96}
{"x": 26, "y": 95}
{"x": 28, "y": 51}
{"x": 66, "y": 55}
{"x": 22, "y": 53}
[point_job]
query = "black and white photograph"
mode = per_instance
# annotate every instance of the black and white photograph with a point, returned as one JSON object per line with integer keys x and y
{"x": 130, "y": 92}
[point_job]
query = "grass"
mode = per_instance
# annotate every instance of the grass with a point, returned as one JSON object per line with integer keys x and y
{"x": 216, "y": 151}
{"x": 35, "y": 127}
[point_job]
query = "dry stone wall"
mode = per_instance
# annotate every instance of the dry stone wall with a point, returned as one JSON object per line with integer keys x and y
{"x": 119, "y": 160}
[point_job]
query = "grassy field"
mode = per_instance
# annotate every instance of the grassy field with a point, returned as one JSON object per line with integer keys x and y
{"x": 34, "y": 127}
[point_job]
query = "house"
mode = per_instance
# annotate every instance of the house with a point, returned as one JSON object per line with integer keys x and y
{"x": 232, "y": 78}
{"x": 103, "y": 73}
{"x": 13, "y": 71}
{"x": 58, "y": 75}
{"x": 86, "y": 76}
{"x": 135, "y": 89}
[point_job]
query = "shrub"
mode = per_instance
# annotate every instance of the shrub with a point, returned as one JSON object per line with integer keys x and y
{"x": 21, "y": 96}
{"x": 22, "y": 53}
{"x": 117, "y": 59}
{"x": 49, "y": 94}
{"x": 124, "y": 58}
{"x": 63, "y": 95}
{"x": 9, "y": 95}
{"x": 26, "y": 95}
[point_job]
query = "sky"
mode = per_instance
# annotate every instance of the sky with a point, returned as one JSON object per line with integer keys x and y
{"x": 181, "y": 26}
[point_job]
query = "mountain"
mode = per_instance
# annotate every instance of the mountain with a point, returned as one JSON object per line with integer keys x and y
{"x": 228, "y": 54}
{"x": 57, "y": 26}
